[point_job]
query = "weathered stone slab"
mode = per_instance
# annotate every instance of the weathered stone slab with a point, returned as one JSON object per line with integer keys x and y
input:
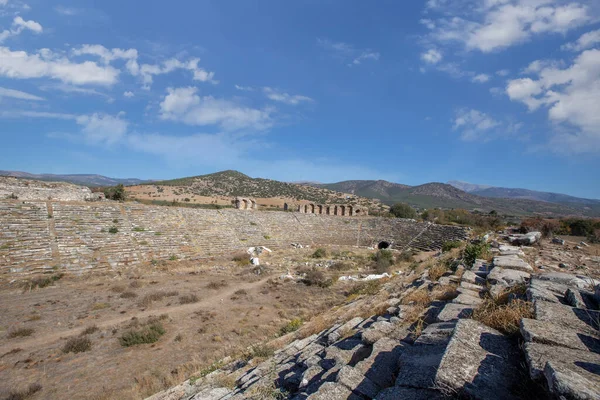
{"x": 468, "y": 299}
{"x": 567, "y": 317}
{"x": 567, "y": 381}
{"x": 512, "y": 262}
{"x": 310, "y": 376}
{"x": 479, "y": 362}
{"x": 471, "y": 286}
{"x": 376, "y": 331}
{"x": 537, "y": 355}
{"x": 481, "y": 268}
{"x": 436, "y": 334}
{"x": 404, "y": 393}
{"x": 381, "y": 366}
{"x": 354, "y": 380}
{"x": 333, "y": 391}
{"x": 552, "y": 334}
{"x": 546, "y": 291}
{"x": 211, "y": 394}
{"x": 580, "y": 281}
{"x": 471, "y": 277}
{"x": 525, "y": 239}
{"x": 452, "y": 312}
{"x": 507, "y": 277}
{"x": 339, "y": 332}
{"x": 574, "y": 298}
{"x": 418, "y": 366}
{"x": 507, "y": 250}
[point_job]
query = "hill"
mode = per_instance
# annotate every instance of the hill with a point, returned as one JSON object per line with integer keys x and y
{"x": 431, "y": 195}
{"x": 78, "y": 179}
{"x": 219, "y": 187}
{"x": 587, "y": 205}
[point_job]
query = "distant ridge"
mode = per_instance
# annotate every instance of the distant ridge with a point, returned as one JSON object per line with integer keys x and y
{"x": 78, "y": 179}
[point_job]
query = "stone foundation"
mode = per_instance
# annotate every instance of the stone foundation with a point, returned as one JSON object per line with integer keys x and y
{"x": 38, "y": 236}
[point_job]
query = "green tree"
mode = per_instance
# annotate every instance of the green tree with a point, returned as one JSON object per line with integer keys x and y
{"x": 403, "y": 210}
{"x": 116, "y": 192}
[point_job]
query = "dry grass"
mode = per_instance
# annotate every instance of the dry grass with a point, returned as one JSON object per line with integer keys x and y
{"x": 128, "y": 295}
{"x": 189, "y": 299}
{"x": 437, "y": 271}
{"x": 444, "y": 293}
{"x": 77, "y": 345}
{"x": 417, "y": 297}
{"x": 503, "y": 317}
{"x": 89, "y": 330}
{"x": 19, "y": 332}
{"x": 24, "y": 394}
{"x": 100, "y": 306}
{"x": 148, "y": 299}
{"x": 217, "y": 285}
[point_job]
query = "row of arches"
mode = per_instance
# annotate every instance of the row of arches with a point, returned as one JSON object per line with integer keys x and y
{"x": 340, "y": 210}
{"x": 242, "y": 203}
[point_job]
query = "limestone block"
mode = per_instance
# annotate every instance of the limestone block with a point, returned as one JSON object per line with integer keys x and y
{"x": 568, "y": 317}
{"x": 512, "y": 262}
{"x": 400, "y": 393}
{"x": 479, "y": 362}
{"x": 354, "y": 380}
{"x": 568, "y": 381}
{"x": 418, "y": 366}
{"x": 538, "y": 354}
{"x": 438, "y": 333}
{"x": 507, "y": 277}
{"x": 452, "y": 311}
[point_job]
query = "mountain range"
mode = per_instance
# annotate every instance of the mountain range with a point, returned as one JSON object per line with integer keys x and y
{"x": 454, "y": 194}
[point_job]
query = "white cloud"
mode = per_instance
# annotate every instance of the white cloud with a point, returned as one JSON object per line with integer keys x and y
{"x": 102, "y": 128}
{"x": 18, "y": 26}
{"x": 474, "y": 124}
{"x": 17, "y": 94}
{"x": 481, "y": 78}
{"x": 571, "y": 95}
{"x": 185, "y": 105}
{"x": 503, "y": 72}
{"x": 105, "y": 54}
{"x": 69, "y": 11}
{"x": 128, "y": 94}
{"x": 347, "y": 52}
{"x": 148, "y": 71}
{"x": 585, "y": 41}
{"x": 244, "y": 88}
{"x": 498, "y": 24}
{"x": 46, "y": 64}
{"x": 432, "y": 56}
{"x": 35, "y": 114}
{"x": 275, "y": 95}
{"x": 33, "y": 26}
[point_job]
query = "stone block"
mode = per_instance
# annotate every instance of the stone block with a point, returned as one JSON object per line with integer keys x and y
{"x": 436, "y": 334}
{"x": 582, "y": 362}
{"x": 404, "y": 393}
{"x": 480, "y": 362}
{"x": 568, "y": 317}
{"x": 512, "y": 262}
{"x": 333, "y": 391}
{"x": 382, "y": 364}
{"x": 452, "y": 312}
{"x": 468, "y": 299}
{"x": 471, "y": 277}
{"x": 418, "y": 366}
{"x": 507, "y": 277}
{"x": 354, "y": 380}
{"x": 547, "y": 332}
{"x": 567, "y": 381}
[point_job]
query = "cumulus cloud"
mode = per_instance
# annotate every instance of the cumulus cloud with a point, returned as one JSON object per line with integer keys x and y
{"x": 185, "y": 105}
{"x": 347, "y": 52}
{"x": 18, "y": 26}
{"x": 585, "y": 41}
{"x": 432, "y": 56}
{"x": 244, "y": 88}
{"x": 107, "y": 55}
{"x": 473, "y": 124}
{"x": 100, "y": 128}
{"x": 481, "y": 78}
{"x": 46, "y": 64}
{"x": 17, "y": 94}
{"x": 497, "y": 24}
{"x": 282, "y": 97}
{"x": 571, "y": 96}
{"x": 128, "y": 94}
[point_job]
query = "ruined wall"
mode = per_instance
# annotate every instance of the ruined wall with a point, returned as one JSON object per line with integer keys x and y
{"x": 344, "y": 210}
{"x": 25, "y": 189}
{"x": 37, "y": 236}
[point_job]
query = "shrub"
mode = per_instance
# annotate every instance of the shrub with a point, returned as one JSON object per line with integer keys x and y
{"x": 319, "y": 253}
{"x": 147, "y": 334}
{"x": 89, "y": 330}
{"x": 100, "y": 306}
{"x": 188, "y": 299}
{"x": 128, "y": 295}
{"x": 116, "y": 193}
{"x": 19, "y": 332}
{"x": 291, "y": 326}
{"x": 241, "y": 259}
{"x": 113, "y": 229}
{"x": 77, "y": 345}
{"x": 403, "y": 210}
{"x": 262, "y": 351}
{"x": 24, "y": 394}
{"x": 503, "y": 317}
{"x": 384, "y": 259}
{"x": 314, "y": 277}
{"x": 447, "y": 246}
{"x": 405, "y": 256}
{"x": 217, "y": 285}
{"x": 437, "y": 271}
{"x": 473, "y": 251}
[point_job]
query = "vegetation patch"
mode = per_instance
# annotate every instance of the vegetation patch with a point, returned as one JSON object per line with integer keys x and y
{"x": 449, "y": 245}
{"x": 503, "y": 317}
{"x": 24, "y": 394}
{"x": 291, "y": 326}
{"x": 20, "y": 332}
{"x": 474, "y": 251}
{"x": 42, "y": 281}
{"x": 89, "y": 330}
{"x": 146, "y": 334}
{"x": 315, "y": 277}
{"x": 384, "y": 259}
{"x": 319, "y": 253}
{"x": 77, "y": 345}
{"x": 189, "y": 299}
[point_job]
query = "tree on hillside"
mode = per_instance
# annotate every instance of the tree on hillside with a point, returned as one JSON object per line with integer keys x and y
{"x": 403, "y": 210}
{"x": 116, "y": 192}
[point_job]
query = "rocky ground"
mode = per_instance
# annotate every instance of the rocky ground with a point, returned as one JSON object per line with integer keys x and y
{"x": 515, "y": 325}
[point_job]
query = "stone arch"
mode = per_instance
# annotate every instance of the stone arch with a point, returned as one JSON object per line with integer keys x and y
{"x": 350, "y": 211}
{"x": 306, "y": 208}
{"x": 343, "y": 210}
{"x": 319, "y": 209}
{"x": 335, "y": 210}
{"x": 384, "y": 244}
{"x": 245, "y": 204}
{"x": 285, "y": 206}
{"x": 357, "y": 211}
{"x": 311, "y": 207}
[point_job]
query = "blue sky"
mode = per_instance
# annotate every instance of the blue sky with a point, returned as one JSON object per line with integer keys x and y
{"x": 500, "y": 92}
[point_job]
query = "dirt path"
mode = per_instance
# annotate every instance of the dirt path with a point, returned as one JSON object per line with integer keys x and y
{"x": 213, "y": 301}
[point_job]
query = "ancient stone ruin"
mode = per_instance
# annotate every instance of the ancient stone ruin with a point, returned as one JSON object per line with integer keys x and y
{"x": 344, "y": 210}
{"x": 26, "y": 189}
{"x": 243, "y": 203}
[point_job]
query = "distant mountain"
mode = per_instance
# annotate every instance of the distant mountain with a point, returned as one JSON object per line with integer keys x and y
{"x": 468, "y": 187}
{"x": 233, "y": 183}
{"x": 79, "y": 179}
{"x": 432, "y": 195}
{"x": 588, "y": 205}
